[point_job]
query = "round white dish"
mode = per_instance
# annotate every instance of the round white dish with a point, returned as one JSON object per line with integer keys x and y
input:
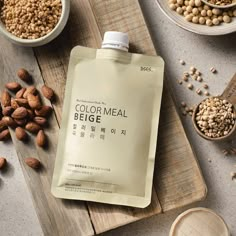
{"x": 179, "y": 20}
{"x": 45, "y": 39}
{"x": 199, "y": 221}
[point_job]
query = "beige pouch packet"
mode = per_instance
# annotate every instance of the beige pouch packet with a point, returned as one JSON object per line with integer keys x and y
{"x": 108, "y": 135}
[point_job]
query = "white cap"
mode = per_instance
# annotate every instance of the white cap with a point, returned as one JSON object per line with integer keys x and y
{"x": 116, "y": 40}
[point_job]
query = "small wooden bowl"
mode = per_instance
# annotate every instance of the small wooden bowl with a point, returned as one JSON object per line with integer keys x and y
{"x": 45, "y": 39}
{"x": 223, "y": 138}
{"x": 219, "y": 6}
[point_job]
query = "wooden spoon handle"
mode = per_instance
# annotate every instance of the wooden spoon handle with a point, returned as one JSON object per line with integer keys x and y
{"x": 230, "y": 92}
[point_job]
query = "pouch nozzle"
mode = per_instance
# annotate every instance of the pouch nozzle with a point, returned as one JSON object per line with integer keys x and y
{"x": 116, "y": 40}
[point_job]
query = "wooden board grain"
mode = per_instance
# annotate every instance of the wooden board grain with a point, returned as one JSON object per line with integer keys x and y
{"x": 178, "y": 180}
{"x": 57, "y": 217}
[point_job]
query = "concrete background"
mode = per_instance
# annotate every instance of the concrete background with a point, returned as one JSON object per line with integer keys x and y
{"x": 17, "y": 216}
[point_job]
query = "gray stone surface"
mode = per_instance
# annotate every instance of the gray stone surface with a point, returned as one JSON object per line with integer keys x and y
{"x": 17, "y": 216}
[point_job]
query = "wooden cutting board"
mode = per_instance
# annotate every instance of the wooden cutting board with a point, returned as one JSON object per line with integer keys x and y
{"x": 178, "y": 180}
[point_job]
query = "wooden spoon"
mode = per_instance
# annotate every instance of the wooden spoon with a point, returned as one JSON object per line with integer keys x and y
{"x": 229, "y": 94}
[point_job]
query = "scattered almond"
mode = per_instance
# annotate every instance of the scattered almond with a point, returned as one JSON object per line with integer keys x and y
{"x": 2, "y": 125}
{"x": 24, "y": 75}
{"x": 30, "y": 90}
{"x": 21, "y": 122}
{"x": 13, "y": 86}
{"x": 20, "y": 134}
{"x": 40, "y": 120}
{"x": 32, "y": 162}
{"x": 7, "y": 111}
{"x": 14, "y": 104}
{"x": 34, "y": 101}
{"x": 41, "y": 138}
{"x": 20, "y": 93}
{"x": 32, "y": 127}
{"x": 30, "y": 114}
{"x": 44, "y": 111}
{"x": 20, "y": 113}
{"x": 4, "y": 135}
{"x": 22, "y": 102}
{"x": 47, "y": 92}
{"x": 6, "y": 99}
{"x": 9, "y": 121}
{"x": 3, "y": 162}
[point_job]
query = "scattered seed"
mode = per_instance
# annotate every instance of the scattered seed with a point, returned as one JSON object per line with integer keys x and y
{"x": 198, "y": 91}
{"x": 213, "y": 70}
{"x": 184, "y": 113}
{"x": 193, "y": 69}
{"x": 191, "y": 72}
{"x": 199, "y": 79}
{"x": 187, "y": 109}
{"x": 180, "y": 81}
{"x": 205, "y": 86}
{"x": 198, "y": 73}
{"x": 182, "y": 62}
{"x": 183, "y": 104}
{"x": 185, "y": 79}
{"x": 225, "y": 152}
{"x": 190, "y": 86}
{"x": 206, "y": 93}
{"x": 233, "y": 175}
{"x": 194, "y": 77}
{"x": 209, "y": 160}
{"x": 190, "y": 113}
{"x": 186, "y": 74}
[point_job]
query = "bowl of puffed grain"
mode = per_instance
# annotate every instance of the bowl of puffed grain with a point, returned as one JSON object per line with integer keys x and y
{"x": 198, "y": 17}
{"x": 33, "y": 23}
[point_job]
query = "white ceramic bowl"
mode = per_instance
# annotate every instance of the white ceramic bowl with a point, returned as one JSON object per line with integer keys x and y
{"x": 179, "y": 20}
{"x": 45, "y": 39}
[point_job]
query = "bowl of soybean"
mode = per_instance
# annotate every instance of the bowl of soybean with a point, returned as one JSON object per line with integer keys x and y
{"x": 33, "y": 24}
{"x": 198, "y": 17}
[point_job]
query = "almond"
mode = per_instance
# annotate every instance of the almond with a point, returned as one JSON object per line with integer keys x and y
{"x": 5, "y": 135}
{"x": 32, "y": 162}
{"x": 13, "y": 86}
{"x": 30, "y": 114}
{"x": 7, "y": 111}
{"x": 21, "y": 122}
{"x": 6, "y": 99}
{"x": 40, "y": 120}
{"x": 20, "y": 93}
{"x": 41, "y": 138}
{"x": 22, "y": 102}
{"x": 14, "y": 104}
{"x": 32, "y": 127}
{"x": 24, "y": 75}
{"x": 20, "y": 134}
{"x": 20, "y": 113}
{"x": 8, "y": 121}
{"x": 2, "y": 125}
{"x": 34, "y": 101}
{"x": 47, "y": 92}
{"x": 30, "y": 90}
{"x": 3, "y": 162}
{"x": 44, "y": 111}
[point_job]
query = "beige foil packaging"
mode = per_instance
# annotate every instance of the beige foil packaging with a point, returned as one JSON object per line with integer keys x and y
{"x": 108, "y": 135}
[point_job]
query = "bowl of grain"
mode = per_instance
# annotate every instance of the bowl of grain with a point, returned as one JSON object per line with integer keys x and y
{"x": 214, "y": 119}
{"x": 33, "y": 23}
{"x": 198, "y": 17}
